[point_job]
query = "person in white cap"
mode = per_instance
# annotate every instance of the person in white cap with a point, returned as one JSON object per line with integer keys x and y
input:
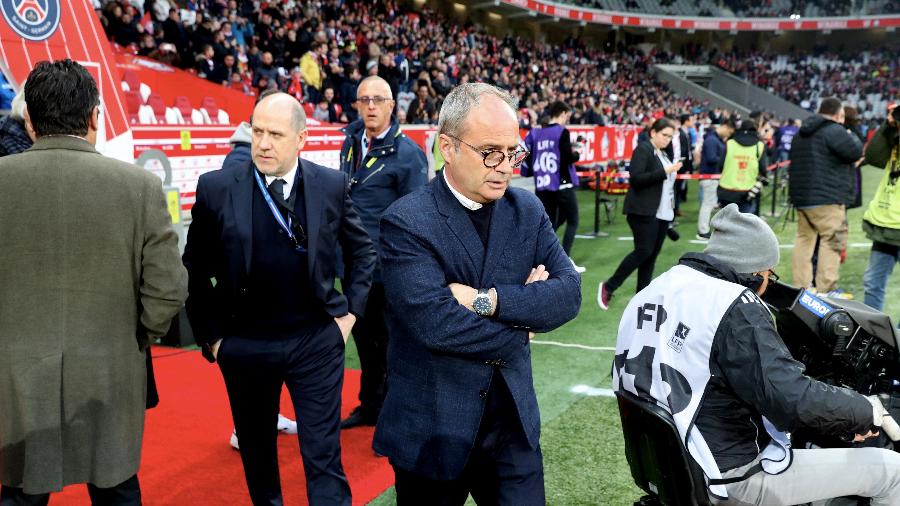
{"x": 699, "y": 342}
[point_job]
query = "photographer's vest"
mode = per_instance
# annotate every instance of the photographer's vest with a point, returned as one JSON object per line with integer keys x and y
{"x": 741, "y": 166}
{"x": 546, "y": 158}
{"x": 662, "y": 354}
{"x": 884, "y": 210}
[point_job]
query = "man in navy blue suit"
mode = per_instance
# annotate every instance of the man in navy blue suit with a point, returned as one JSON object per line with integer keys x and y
{"x": 262, "y": 301}
{"x": 472, "y": 268}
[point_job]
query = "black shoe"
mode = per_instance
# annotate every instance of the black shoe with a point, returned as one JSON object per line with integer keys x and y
{"x": 359, "y": 418}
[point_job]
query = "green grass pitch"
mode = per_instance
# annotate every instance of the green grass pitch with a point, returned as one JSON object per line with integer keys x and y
{"x": 581, "y": 439}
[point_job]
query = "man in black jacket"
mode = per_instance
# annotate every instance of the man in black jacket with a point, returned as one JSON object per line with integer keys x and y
{"x": 383, "y": 165}
{"x": 262, "y": 301}
{"x": 822, "y": 184}
{"x": 732, "y": 387}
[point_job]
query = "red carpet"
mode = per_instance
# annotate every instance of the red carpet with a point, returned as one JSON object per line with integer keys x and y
{"x": 187, "y": 459}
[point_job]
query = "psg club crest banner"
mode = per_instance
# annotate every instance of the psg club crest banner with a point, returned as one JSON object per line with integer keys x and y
{"x": 34, "y": 20}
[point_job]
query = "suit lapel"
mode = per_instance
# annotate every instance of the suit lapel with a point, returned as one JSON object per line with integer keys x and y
{"x": 313, "y": 200}
{"x": 459, "y": 223}
{"x": 242, "y": 206}
{"x": 499, "y": 237}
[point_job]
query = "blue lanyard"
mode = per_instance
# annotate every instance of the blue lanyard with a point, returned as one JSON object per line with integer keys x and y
{"x": 286, "y": 226}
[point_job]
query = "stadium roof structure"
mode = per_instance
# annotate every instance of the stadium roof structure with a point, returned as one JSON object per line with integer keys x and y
{"x": 546, "y": 11}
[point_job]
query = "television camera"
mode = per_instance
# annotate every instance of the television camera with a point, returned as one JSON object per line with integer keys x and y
{"x": 841, "y": 342}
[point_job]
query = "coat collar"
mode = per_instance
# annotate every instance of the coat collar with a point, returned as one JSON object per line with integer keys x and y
{"x": 485, "y": 260}
{"x": 63, "y": 142}
{"x": 379, "y": 146}
{"x": 242, "y": 206}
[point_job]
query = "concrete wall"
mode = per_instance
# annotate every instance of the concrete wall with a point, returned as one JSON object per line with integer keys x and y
{"x": 670, "y": 75}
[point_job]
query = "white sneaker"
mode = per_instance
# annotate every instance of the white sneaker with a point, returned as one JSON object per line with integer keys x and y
{"x": 286, "y": 425}
{"x": 579, "y": 269}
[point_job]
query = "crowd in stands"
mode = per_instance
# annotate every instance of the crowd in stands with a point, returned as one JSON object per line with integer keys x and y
{"x": 867, "y": 80}
{"x": 319, "y": 51}
{"x": 747, "y": 8}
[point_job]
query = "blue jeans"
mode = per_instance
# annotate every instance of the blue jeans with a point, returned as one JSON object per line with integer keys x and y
{"x": 881, "y": 264}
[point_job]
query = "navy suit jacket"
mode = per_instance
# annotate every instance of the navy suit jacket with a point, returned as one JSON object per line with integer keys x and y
{"x": 441, "y": 356}
{"x": 219, "y": 246}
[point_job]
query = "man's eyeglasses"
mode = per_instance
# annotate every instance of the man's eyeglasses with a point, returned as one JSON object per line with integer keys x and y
{"x": 376, "y": 100}
{"x": 494, "y": 157}
{"x": 773, "y": 276}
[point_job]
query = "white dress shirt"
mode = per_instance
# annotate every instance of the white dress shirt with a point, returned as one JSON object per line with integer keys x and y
{"x": 288, "y": 180}
{"x": 666, "y": 209}
{"x": 466, "y": 202}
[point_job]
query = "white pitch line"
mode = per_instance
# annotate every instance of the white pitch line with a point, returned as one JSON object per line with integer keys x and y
{"x": 626, "y": 238}
{"x": 574, "y": 345}
{"x": 851, "y": 245}
{"x": 592, "y": 391}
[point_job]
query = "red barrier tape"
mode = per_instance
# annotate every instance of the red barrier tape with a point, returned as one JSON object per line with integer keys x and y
{"x": 626, "y": 175}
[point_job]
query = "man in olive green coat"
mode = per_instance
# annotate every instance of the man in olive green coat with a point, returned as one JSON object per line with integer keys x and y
{"x": 89, "y": 273}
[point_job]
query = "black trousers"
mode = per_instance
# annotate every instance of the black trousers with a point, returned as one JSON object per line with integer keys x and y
{"x": 562, "y": 209}
{"x": 502, "y": 469}
{"x": 649, "y": 234}
{"x": 681, "y": 190}
{"x": 370, "y": 335}
{"x": 737, "y": 197}
{"x": 312, "y": 366}
{"x": 127, "y": 493}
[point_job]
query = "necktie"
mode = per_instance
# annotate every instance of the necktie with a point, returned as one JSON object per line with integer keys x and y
{"x": 276, "y": 189}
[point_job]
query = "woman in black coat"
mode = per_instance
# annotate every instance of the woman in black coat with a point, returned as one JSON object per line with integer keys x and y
{"x": 649, "y": 207}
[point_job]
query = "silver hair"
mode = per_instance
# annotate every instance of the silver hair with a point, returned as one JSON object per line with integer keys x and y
{"x": 298, "y": 117}
{"x": 460, "y": 102}
{"x": 17, "y": 110}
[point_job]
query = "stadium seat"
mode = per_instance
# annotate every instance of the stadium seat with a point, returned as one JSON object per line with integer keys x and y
{"x": 211, "y": 112}
{"x": 146, "y": 116}
{"x": 660, "y": 465}
{"x": 130, "y": 78}
{"x": 159, "y": 107}
{"x": 309, "y": 108}
{"x": 145, "y": 92}
{"x": 188, "y": 113}
{"x": 133, "y": 106}
{"x": 173, "y": 116}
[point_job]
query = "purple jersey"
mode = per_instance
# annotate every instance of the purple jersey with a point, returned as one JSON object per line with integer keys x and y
{"x": 545, "y": 159}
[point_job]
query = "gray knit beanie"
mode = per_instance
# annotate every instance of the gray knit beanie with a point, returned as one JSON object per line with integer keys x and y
{"x": 743, "y": 241}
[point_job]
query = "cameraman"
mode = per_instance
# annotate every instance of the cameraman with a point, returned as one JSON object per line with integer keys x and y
{"x": 733, "y": 388}
{"x": 882, "y": 220}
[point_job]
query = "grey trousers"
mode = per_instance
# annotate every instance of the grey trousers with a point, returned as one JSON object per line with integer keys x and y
{"x": 821, "y": 476}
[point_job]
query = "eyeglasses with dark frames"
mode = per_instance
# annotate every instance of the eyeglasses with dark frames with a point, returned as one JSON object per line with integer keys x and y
{"x": 492, "y": 158}
{"x": 773, "y": 276}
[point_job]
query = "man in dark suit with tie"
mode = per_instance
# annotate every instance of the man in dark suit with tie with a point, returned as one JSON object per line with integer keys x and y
{"x": 262, "y": 301}
{"x": 472, "y": 268}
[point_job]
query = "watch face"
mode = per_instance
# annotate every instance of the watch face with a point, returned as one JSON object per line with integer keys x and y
{"x": 482, "y": 305}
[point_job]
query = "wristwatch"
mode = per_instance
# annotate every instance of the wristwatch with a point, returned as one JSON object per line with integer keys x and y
{"x": 482, "y": 304}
